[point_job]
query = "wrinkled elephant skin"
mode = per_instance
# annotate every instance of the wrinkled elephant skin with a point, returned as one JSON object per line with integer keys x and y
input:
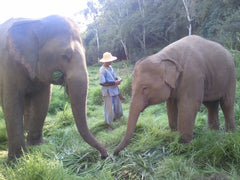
{"x": 31, "y": 52}
{"x": 187, "y": 73}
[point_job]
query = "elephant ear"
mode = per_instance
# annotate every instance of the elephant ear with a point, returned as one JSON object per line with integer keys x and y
{"x": 22, "y": 44}
{"x": 172, "y": 71}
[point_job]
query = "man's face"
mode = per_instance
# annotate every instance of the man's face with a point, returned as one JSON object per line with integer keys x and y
{"x": 107, "y": 63}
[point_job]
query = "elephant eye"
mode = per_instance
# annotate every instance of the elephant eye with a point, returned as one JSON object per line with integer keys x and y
{"x": 67, "y": 54}
{"x": 66, "y": 57}
{"x": 145, "y": 90}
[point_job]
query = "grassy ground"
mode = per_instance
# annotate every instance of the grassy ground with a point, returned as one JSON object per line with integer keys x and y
{"x": 154, "y": 151}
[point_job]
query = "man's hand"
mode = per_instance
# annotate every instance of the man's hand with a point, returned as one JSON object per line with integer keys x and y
{"x": 118, "y": 81}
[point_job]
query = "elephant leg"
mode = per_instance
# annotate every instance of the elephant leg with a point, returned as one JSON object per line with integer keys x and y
{"x": 187, "y": 111}
{"x": 13, "y": 114}
{"x": 227, "y": 105}
{"x": 35, "y": 114}
{"x": 213, "y": 119}
{"x": 172, "y": 112}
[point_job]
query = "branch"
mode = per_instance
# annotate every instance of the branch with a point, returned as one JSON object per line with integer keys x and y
{"x": 187, "y": 12}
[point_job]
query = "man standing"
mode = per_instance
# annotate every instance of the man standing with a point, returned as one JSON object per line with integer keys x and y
{"x": 109, "y": 82}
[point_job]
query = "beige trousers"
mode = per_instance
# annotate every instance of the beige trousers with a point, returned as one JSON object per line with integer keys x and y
{"x": 113, "y": 108}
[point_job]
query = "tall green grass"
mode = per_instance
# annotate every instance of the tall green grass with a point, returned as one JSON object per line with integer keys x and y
{"x": 36, "y": 167}
{"x": 3, "y": 132}
{"x": 58, "y": 100}
{"x": 153, "y": 153}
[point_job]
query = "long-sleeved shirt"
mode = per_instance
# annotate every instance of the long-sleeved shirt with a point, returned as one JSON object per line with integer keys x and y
{"x": 107, "y": 79}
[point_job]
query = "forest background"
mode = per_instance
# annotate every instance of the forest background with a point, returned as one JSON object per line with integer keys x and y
{"x": 131, "y": 29}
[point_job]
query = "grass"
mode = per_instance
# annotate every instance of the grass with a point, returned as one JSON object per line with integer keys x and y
{"x": 153, "y": 153}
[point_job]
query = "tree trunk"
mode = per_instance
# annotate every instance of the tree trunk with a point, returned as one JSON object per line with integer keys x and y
{"x": 125, "y": 49}
{"x": 186, "y": 5}
{"x": 98, "y": 46}
{"x": 142, "y": 12}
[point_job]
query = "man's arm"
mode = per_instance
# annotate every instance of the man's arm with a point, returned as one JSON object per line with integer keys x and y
{"x": 111, "y": 83}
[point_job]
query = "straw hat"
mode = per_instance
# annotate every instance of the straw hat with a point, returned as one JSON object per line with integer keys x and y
{"x": 107, "y": 57}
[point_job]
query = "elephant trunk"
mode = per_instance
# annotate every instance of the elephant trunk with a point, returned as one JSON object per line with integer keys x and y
{"x": 77, "y": 90}
{"x": 131, "y": 125}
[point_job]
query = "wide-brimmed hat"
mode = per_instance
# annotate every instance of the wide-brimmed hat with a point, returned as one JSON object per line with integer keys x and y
{"x": 107, "y": 57}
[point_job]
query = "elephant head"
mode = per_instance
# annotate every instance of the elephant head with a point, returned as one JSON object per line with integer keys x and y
{"x": 154, "y": 79}
{"x": 50, "y": 45}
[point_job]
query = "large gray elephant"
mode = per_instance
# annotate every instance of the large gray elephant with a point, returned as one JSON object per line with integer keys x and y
{"x": 187, "y": 73}
{"x": 31, "y": 51}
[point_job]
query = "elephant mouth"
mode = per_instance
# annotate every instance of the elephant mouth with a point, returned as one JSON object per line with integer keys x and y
{"x": 145, "y": 105}
{"x": 58, "y": 78}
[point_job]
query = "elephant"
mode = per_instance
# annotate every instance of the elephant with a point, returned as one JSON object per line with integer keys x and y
{"x": 31, "y": 51}
{"x": 185, "y": 74}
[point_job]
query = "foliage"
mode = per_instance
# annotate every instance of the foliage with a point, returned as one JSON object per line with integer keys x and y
{"x": 236, "y": 56}
{"x": 64, "y": 118}
{"x": 3, "y": 131}
{"x": 125, "y": 72}
{"x": 97, "y": 97}
{"x": 38, "y": 168}
{"x": 145, "y": 27}
{"x": 58, "y": 100}
{"x": 126, "y": 87}
{"x": 217, "y": 20}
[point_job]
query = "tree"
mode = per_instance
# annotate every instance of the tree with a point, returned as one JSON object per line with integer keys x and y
{"x": 116, "y": 11}
{"x": 91, "y": 13}
{"x": 141, "y": 5}
{"x": 186, "y": 4}
{"x": 132, "y": 29}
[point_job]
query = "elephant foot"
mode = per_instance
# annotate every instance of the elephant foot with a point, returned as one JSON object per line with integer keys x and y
{"x": 104, "y": 156}
{"x": 173, "y": 129}
{"x": 12, "y": 156}
{"x": 116, "y": 153}
{"x": 214, "y": 127}
{"x": 34, "y": 141}
{"x": 185, "y": 139}
{"x": 213, "y": 124}
{"x": 230, "y": 127}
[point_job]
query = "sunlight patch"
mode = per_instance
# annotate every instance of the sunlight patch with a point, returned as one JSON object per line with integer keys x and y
{"x": 3, "y": 155}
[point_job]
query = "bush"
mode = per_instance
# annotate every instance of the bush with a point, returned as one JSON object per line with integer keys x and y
{"x": 217, "y": 149}
{"x": 175, "y": 167}
{"x": 126, "y": 87}
{"x": 96, "y": 93}
{"x": 96, "y": 96}
{"x": 1, "y": 114}
{"x": 36, "y": 167}
{"x": 65, "y": 118}
{"x": 3, "y": 130}
{"x": 236, "y": 57}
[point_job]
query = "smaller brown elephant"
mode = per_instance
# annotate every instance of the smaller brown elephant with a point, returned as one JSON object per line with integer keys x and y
{"x": 187, "y": 73}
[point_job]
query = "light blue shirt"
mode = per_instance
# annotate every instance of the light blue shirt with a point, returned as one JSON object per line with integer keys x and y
{"x": 106, "y": 76}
